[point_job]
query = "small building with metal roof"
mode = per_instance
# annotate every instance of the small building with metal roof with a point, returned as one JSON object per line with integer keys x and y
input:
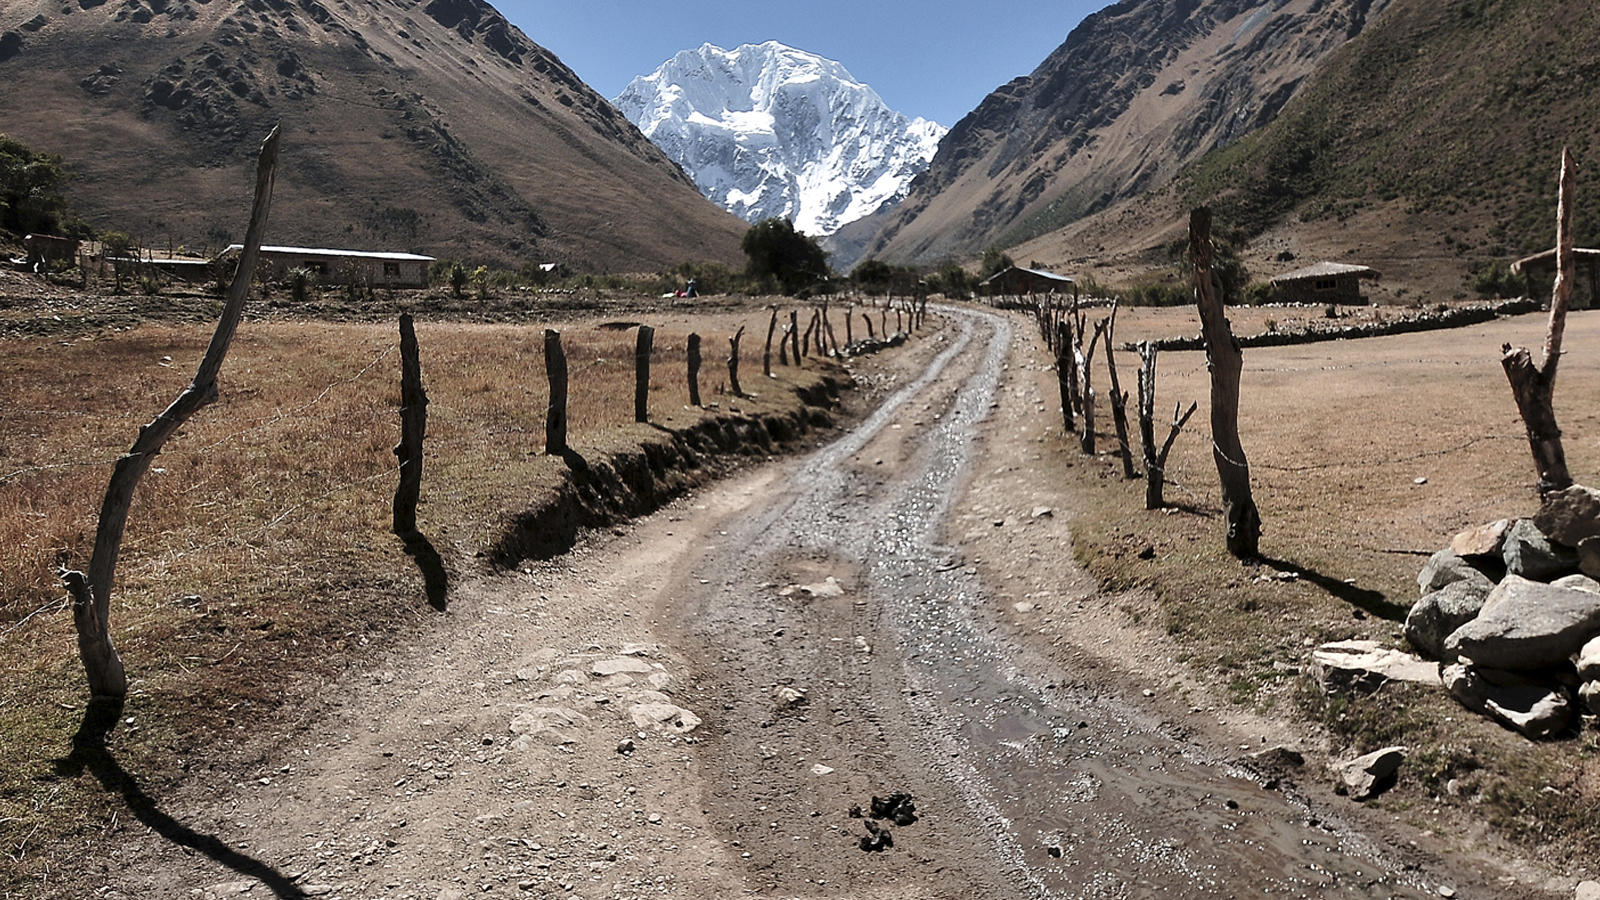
{"x": 1016, "y": 281}
{"x": 340, "y": 266}
{"x": 1584, "y": 260}
{"x": 1325, "y": 282}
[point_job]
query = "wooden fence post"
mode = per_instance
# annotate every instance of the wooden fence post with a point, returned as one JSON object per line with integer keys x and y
{"x": 849, "y": 329}
{"x": 794, "y": 334}
{"x": 733, "y": 362}
{"x": 766, "y": 355}
{"x": 1119, "y": 400}
{"x": 1227, "y": 363}
{"x": 91, "y": 593}
{"x": 555, "y": 417}
{"x": 413, "y": 427}
{"x": 1533, "y": 385}
{"x": 871, "y": 334}
{"x": 694, "y": 370}
{"x": 1064, "y": 377}
{"x": 641, "y": 373}
{"x": 1155, "y": 461}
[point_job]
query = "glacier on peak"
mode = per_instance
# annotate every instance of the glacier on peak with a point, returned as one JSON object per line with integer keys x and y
{"x": 766, "y": 130}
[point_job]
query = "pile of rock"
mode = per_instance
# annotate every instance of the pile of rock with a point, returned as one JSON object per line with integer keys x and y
{"x": 1513, "y": 610}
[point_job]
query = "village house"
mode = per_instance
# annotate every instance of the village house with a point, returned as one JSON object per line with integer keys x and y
{"x": 1585, "y": 262}
{"x": 340, "y": 266}
{"x": 1325, "y": 282}
{"x": 1016, "y": 281}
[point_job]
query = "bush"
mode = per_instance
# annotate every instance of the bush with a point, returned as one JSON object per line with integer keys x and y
{"x": 30, "y": 192}
{"x": 776, "y": 250}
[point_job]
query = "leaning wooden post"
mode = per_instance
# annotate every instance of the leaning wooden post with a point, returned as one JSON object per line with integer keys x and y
{"x": 91, "y": 593}
{"x": 555, "y": 418}
{"x": 733, "y": 362}
{"x": 1084, "y": 359}
{"x": 783, "y": 345}
{"x": 1119, "y": 401}
{"x": 794, "y": 334}
{"x": 1064, "y": 378}
{"x": 1226, "y": 361}
{"x": 1533, "y": 386}
{"x": 871, "y": 334}
{"x": 806, "y": 342}
{"x": 694, "y": 370}
{"x": 827, "y": 327}
{"x": 641, "y": 373}
{"x": 766, "y": 355}
{"x": 413, "y": 427}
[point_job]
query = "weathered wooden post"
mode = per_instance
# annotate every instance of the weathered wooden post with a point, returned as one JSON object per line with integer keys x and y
{"x": 1155, "y": 461}
{"x": 827, "y": 326}
{"x": 871, "y": 334}
{"x": 766, "y": 355}
{"x": 1064, "y": 376}
{"x": 694, "y": 370}
{"x": 805, "y": 340}
{"x": 1533, "y": 386}
{"x": 849, "y": 329}
{"x": 641, "y": 373}
{"x": 1226, "y": 360}
{"x": 733, "y": 363}
{"x": 1087, "y": 441}
{"x": 794, "y": 334}
{"x": 413, "y": 428}
{"x": 91, "y": 593}
{"x": 555, "y": 417}
{"x": 1119, "y": 400}
{"x": 783, "y": 345}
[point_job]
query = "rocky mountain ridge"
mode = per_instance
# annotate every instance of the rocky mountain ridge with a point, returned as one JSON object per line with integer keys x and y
{"x": 769, "y": 131}
{"x": 431, "y": 126}
{"x": 1137, "y": 91}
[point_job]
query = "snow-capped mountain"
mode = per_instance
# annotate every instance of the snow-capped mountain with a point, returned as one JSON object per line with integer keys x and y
{"x": 767, "y": 130}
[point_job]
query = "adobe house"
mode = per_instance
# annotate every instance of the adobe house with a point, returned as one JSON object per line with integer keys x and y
{"x": 1544, "y": 264}
{"x": 1325, "y": 282}
{"x": 340, "y": 266}
{"x": 1016, "y": 281}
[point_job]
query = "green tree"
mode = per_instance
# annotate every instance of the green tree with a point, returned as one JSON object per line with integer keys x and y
{"x": 30, "y": 190}
{"x": 775, "y": 249}
{"x": 872, "y": 275}
{"x": 993, "y": 261}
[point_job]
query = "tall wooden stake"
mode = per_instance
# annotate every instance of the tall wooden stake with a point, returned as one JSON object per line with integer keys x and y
{"x": 555, "y": 417}
{"x": 1533, "y": 385}
{"x": 733, "y": 362}
{"x": 694, "y": 370}
{"x": 413, "y": 427}
{"x": 641, "y": 373}
{"x": 91, "y": 593}
{"x": 1226, "y": 361}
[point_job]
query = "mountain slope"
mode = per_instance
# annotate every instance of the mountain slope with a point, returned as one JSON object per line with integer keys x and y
{"x": 1137, "y": 91}
{"x": 769, "y": 131}
{"x": 1456, "y": 111}
{"x": 428, "y": 125}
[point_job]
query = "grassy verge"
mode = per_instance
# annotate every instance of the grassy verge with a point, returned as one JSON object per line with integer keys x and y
{"x": 258, "y": 560}
{"x": 1366, "y": 456}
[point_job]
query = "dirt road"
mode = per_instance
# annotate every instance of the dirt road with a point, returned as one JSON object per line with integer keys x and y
{"x": 694, "y": 706}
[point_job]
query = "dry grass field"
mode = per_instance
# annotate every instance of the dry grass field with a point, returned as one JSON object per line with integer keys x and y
{"x": 258, "y": 557}
{"x": 1366, "y": 456}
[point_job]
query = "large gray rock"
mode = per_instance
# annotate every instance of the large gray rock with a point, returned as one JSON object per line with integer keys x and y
{"x": 1368, "y": 776}
{"x": 1589, "y": 660}
{"x": 1589, "y": 556}
{"x": 1535, "y": 708}
{"x": 1527, "y": 625}
{"x": 1366, "y": 666}
{"x": 1435, "y": 616}
{"x": 1447, "y": 567}
{"x": 1589, "y": 697}
{"x": 1485, "y": 540}
{"x": 1578, "y": 583}
{"x": 1529, "y": 553}
{"x": 1571, "y": 515}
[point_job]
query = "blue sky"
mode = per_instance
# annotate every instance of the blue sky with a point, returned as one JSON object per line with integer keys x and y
{"x": 934, "y": 59}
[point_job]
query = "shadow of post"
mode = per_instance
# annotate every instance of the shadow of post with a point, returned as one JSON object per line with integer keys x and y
{"x": 1374, "y": 602}
{"x": 435, "y": 580}
{"x": 89, "y": 752}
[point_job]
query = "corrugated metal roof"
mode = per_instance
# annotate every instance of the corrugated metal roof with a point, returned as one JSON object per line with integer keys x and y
{"x": 1325, "y": 269}
{"x": 343, "y": 254}
{"x": 1050, "y": 276}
